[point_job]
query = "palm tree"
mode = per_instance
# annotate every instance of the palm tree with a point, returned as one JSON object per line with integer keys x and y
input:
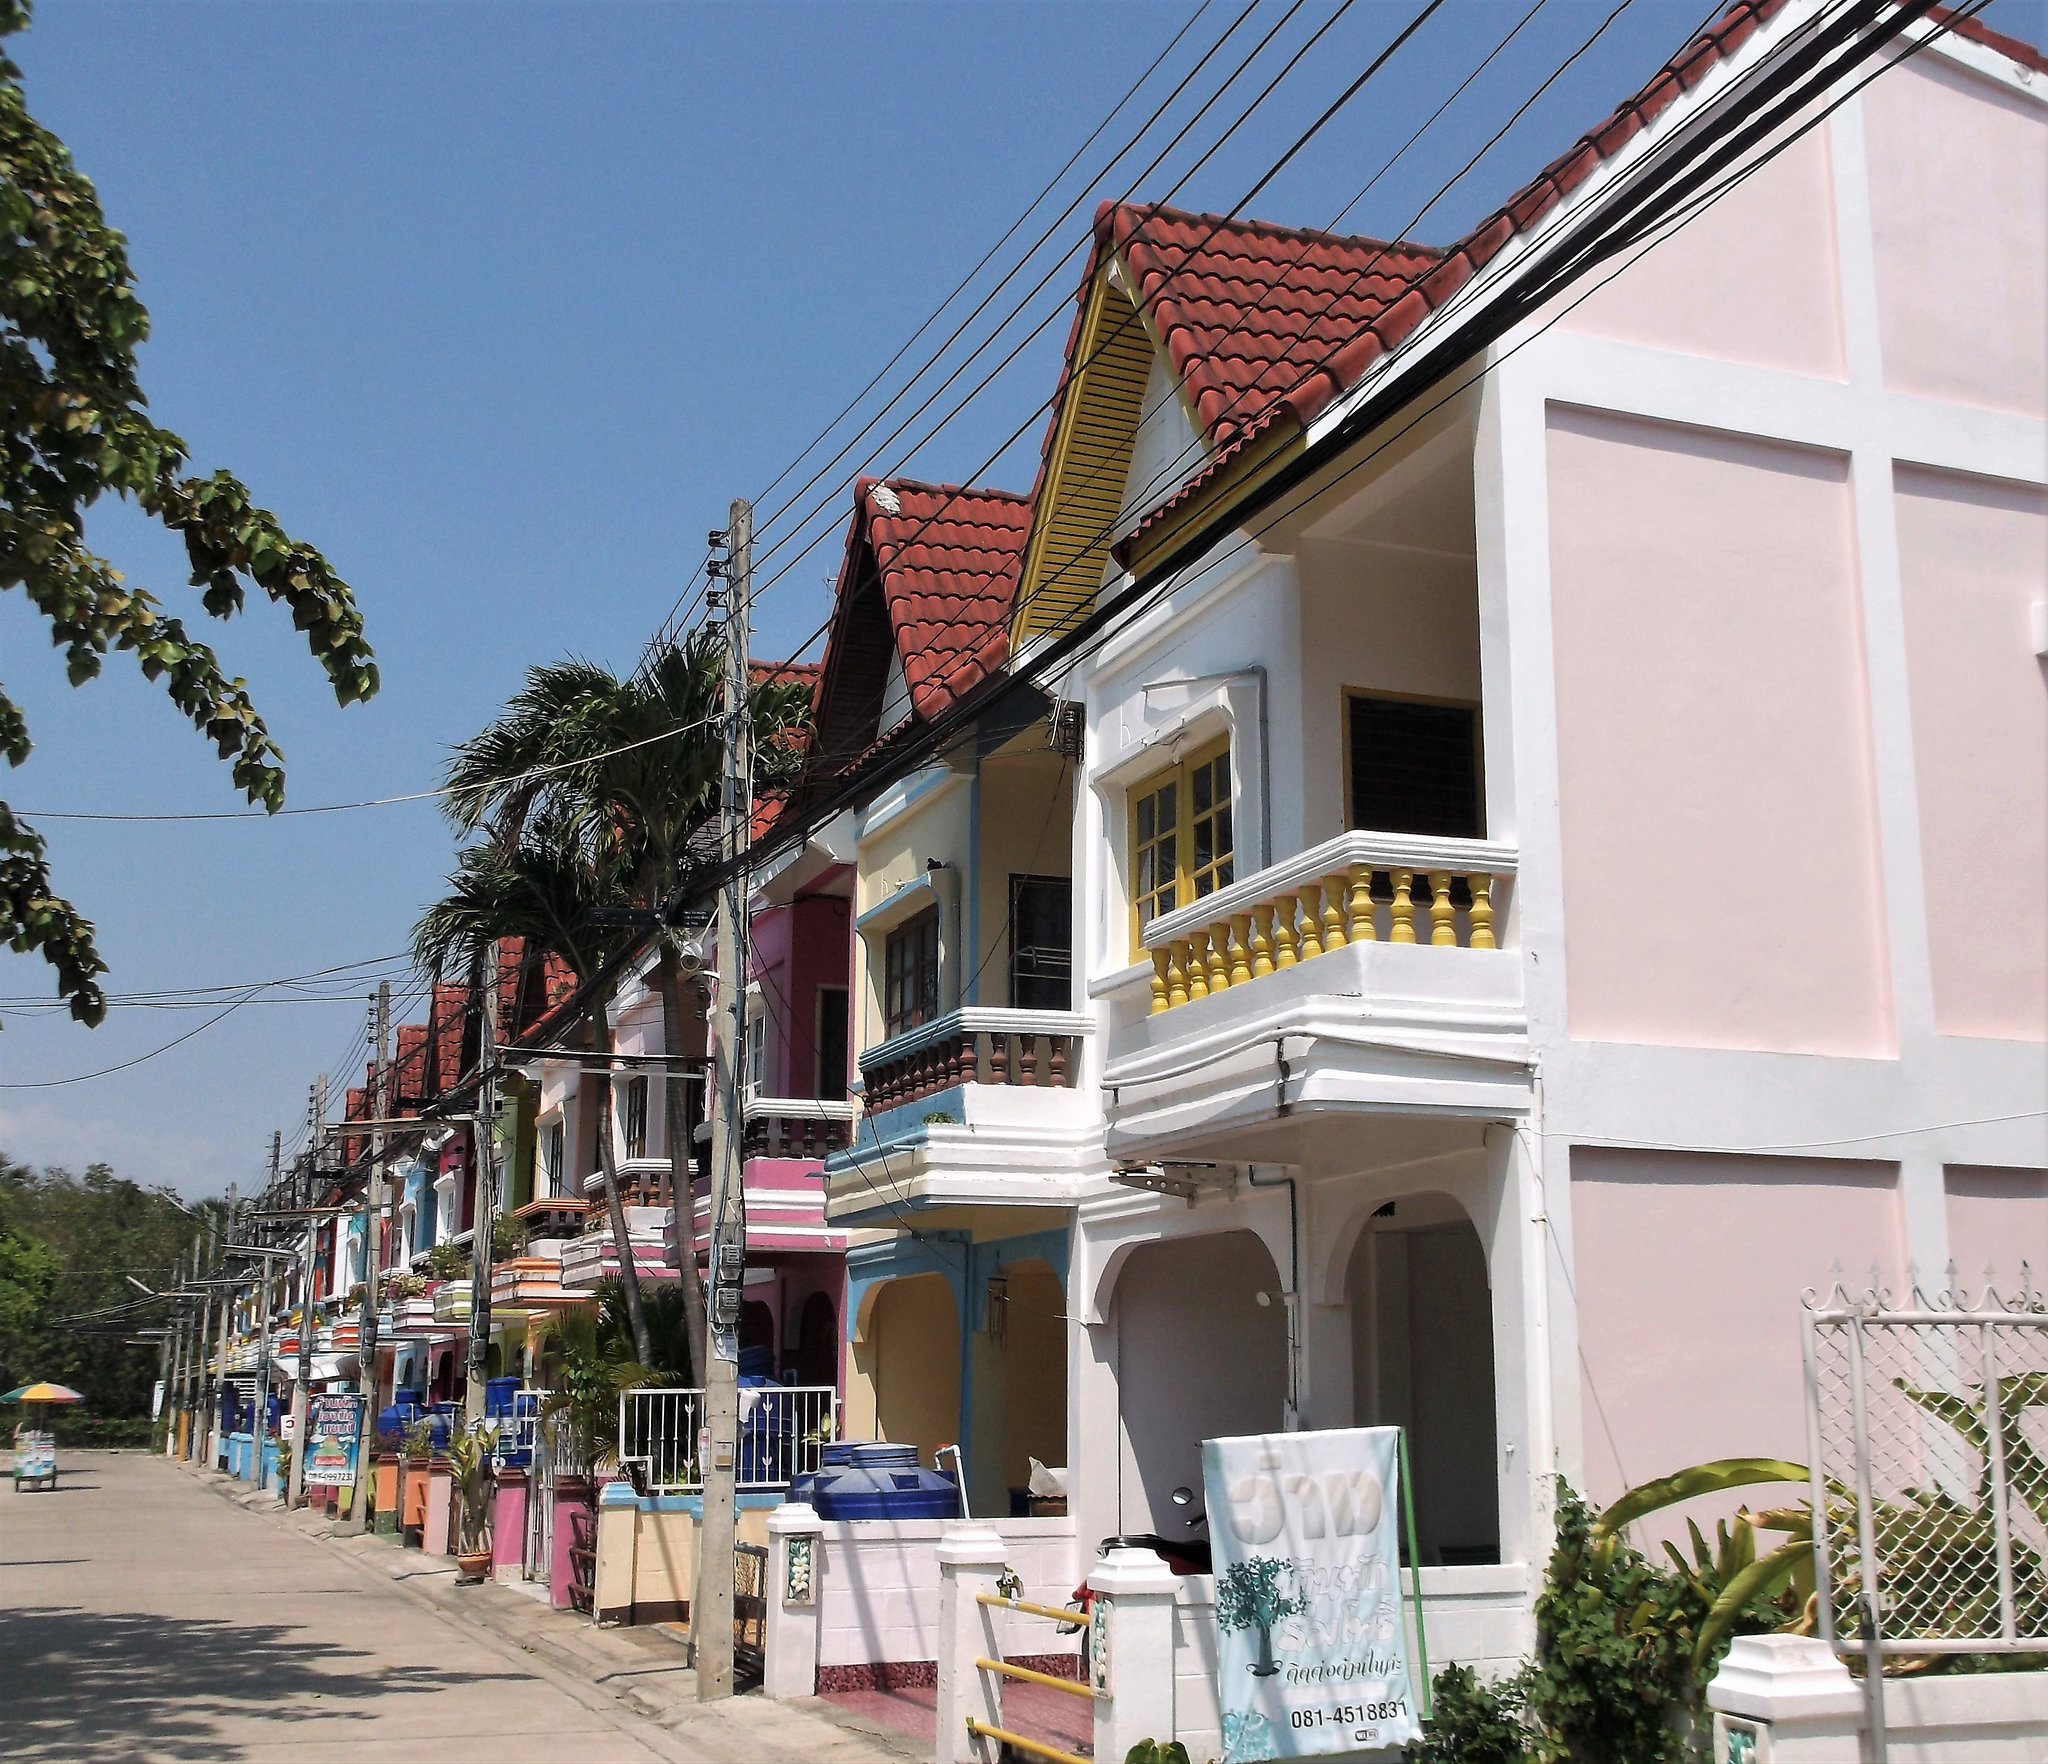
{"x": 545, "y": 886}
{"x": 637, "y": 761}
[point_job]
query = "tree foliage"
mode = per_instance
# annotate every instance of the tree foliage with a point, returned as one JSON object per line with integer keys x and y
{"x": 65, "y": 1243}
{"x": 73, "y": 428}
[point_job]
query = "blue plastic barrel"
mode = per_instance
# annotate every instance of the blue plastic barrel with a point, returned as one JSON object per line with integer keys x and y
{"x": 878, "y": 1480}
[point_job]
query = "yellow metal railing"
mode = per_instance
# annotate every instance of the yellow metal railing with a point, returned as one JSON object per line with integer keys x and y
{"x": 1037, "y": 1748}
{"x": 1003, "y": 1669}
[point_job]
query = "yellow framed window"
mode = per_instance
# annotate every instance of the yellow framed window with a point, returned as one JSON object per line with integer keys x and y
{"x": 1183, "y": 837}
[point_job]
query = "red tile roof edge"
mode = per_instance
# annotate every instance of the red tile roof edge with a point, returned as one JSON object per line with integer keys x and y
{"x": 1458, "y": 263}
{"x": 2012, "y": 48}
{"x": 932, "y": 688}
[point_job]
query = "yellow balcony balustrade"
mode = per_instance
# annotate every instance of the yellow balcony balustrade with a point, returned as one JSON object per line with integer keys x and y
{"x": 1356, "y": 888}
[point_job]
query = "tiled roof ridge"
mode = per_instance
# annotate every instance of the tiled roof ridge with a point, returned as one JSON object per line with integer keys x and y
{"x": 1109, "y": 208}
{"x": 978, "y": 492}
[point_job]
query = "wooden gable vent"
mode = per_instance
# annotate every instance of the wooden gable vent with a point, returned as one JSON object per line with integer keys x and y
{"x": 1090, "y": 458}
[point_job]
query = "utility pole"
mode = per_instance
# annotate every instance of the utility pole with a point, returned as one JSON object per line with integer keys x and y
{"x": 711, "y": 1636}
{"x": 295, "y": 1489}
{"x": 366, "y": 1321}
{"x": 227, "y": 1323}
{"x": 483, "y": 1140}
{"x": 181, "y": 1329}
{"x": 195, "y": 1434}
{"x": 261, "y": 1426}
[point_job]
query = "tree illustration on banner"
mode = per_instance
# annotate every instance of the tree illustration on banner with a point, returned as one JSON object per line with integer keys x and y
{"x": 1250, "y": 1596}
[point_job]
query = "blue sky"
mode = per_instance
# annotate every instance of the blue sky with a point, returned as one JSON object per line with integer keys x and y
{"x": 501, "y": 305}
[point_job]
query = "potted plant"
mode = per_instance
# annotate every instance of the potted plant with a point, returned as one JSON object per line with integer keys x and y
{"x": 448, "y": 1261}
{"x": 469, "y": 1463}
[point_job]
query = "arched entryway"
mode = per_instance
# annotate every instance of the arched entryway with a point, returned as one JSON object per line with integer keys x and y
{"x": 1422, "y": 1358}
{"x": 1201, "y": 1332}
{"x": 816, "y": 1360}
{"x": 914, "y": 1337}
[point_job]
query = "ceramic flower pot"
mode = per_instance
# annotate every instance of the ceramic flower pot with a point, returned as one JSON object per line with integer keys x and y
{"x": 472, "y": 1566}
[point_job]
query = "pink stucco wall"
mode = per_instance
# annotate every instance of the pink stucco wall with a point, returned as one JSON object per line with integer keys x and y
{"x": 1689, "y": 1270}
{"x": 1721, "y": 876}
{"x": 1973, "y": 557}
{"x": 1772, "y": 237}
{"x": 796, "y": 949}
{"x": 1998, "y": 1219}
{"x": 1959, "y": 198}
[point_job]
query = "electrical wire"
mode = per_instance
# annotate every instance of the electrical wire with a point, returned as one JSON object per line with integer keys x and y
{"x": 1110, "y": 621}
{"x": 335, "y": 808}
{"x": 1023, "y": 343}
{"x": 1170, "y": 469}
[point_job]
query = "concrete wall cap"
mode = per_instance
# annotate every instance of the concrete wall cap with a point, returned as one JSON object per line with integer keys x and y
{"x": 793, "y": 1516}
{"x": 1781, "y": 1678}
{"x": 1124, "y": 1572}
{"x": 972, "y": 1546}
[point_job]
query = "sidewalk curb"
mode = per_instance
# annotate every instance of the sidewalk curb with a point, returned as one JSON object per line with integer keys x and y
{"x": 599, "y": 1666}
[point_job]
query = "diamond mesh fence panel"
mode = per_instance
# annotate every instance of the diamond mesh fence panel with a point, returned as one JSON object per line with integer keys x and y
{"x": 1931, "y": 1431}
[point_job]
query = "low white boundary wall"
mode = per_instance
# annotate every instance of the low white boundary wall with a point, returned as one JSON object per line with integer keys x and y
{"x": 1797, "y": 1704}
{"x": 875, "y": 1617}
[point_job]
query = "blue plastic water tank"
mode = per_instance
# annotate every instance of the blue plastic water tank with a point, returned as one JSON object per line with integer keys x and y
{"x": 875, "y": 1480}
{"x": 498, "y": 1395}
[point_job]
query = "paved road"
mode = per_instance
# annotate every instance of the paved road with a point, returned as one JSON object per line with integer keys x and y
{"x": 144, "y": 1618}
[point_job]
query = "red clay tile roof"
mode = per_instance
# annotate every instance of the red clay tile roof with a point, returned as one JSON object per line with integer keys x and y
{"x": 928, "y": 572}
{"x": 785, "y": 673}
{"x": 1246, "y": 310}
{"x": 949, "y": 559}
{"x": 409, "y": 1068}
{"x": 451, "y": 998}
{"x": 1387, "y": 315}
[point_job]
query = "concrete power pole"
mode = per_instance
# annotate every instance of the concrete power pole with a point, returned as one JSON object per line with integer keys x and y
{"x": 712, "y": 1636}
{"x": 269, "y": 1273}
{"x": 295, "y": 1489}
{"x": 366, "y": 1321}
{"x": 484, "y": 1152}
{"x": 195, "y": 1433}
{"x": 227, "y": 1324}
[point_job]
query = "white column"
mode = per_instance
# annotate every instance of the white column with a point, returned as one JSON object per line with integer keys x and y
{"x": 970, "y": 1560}
{"x": 789, "y": 1642}
{"x": 1132, "y": 1635}
{"x": 1793, "y": 1689}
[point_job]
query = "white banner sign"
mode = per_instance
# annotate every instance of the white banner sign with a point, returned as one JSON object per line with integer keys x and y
{"x": 1313, "y": 1655}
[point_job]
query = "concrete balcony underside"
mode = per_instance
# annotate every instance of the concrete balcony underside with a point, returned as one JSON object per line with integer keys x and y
{"x": 1271, "y": 1069}
{"x": 1006, "y": 1145}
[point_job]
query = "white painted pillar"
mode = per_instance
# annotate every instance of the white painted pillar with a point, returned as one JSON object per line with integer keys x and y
{"x": 789, "y": 1641}
{"x": 971, "y": 1557}
{"x": 1794, "y": 1694}
{"x": 1132, "y": 1638}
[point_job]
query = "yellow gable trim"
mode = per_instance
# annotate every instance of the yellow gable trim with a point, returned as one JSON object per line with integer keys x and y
{"x": 1090, "y": 461}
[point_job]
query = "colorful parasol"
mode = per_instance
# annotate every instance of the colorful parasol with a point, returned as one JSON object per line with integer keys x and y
{"x": 42, "y": 1393}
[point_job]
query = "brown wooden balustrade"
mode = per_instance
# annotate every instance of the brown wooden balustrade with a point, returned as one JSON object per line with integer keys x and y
{"x": 772, "y": 1133}
{"x": 973, "y": 1056}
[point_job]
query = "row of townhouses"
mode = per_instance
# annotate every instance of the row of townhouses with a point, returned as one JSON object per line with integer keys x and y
{"x": 1478, "y": 832}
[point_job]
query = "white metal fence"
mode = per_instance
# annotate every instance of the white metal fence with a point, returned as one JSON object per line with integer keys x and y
{"x": 783, "y": 1430}
{"x": 1928, "y": 1434}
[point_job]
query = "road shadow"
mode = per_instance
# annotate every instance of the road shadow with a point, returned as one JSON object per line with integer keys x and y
{"x": 92, "y": 1686}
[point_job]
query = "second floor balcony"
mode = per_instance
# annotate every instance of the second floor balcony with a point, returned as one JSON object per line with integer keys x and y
{"x": 980, "y": 1106}
{"x": 802, "y": 1128}
{"x": 1371, "y": 972}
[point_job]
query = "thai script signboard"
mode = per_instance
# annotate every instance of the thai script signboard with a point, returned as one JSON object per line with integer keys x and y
{"x": 333, "y": 1426}
{"x": 1313, "y": 1657}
